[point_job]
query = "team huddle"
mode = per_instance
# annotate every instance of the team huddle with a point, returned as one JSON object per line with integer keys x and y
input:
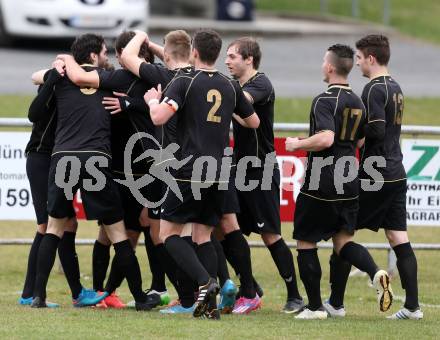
{"x": 148, "y": 148}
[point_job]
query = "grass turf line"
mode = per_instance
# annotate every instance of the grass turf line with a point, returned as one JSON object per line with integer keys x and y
{"x": 363, "y": 320}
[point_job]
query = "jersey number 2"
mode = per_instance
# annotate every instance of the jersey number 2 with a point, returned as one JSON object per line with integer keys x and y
{"x": 346, "y": 114}
{"x": 214, "y": 96}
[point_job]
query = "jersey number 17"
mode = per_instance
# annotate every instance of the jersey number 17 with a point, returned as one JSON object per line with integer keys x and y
{"x": 350, "y": 123}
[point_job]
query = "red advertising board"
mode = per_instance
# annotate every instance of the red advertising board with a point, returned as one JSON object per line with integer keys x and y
{"x": 292, "y": 170}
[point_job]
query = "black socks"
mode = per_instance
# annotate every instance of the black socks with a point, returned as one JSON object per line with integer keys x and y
{"x": 45, "y": 261}
{"x": 100, "y": 261}
{"x": 29, "y": 282}
{"x": 128, "y": 265}
{"x": 69, "y": 261}
{"x": 282, "y": 256}
{"x": 339, "y": 271}
{"x": 238, "y": 254}
{"x": 157, "y": 271}
{"x": 359, "y": 257}
{"x": 407, "y": 266}
{"x": 310, "y": 273}
{"x": 186, "y": 258}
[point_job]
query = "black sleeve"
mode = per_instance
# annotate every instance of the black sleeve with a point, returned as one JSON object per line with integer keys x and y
{"x": 323, "y": 111}
{"x": 175, "y": 94}
{"x": 260, "y": 89}
{"x": 151, "y": 73}
{"x": 374, "y": 98}
{"x": 41, "y": 103}
{"x": 136, "y": 104}
{"x": 375, "y": 130}
{"x": 118, "y": 80}
{"x": 243, "y": 107}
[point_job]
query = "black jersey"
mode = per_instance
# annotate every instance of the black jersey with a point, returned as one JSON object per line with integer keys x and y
{"x": 257, "y": 142}
{"x": 341, "y": 111}
{"x": 152, "y": 75}
{"x": 82, "y": 122}
{"x": 204, "y": 101}
{"x": 383, "y": 99}
{"x": 42, "y": 113}
{"x": 132, "y": 120}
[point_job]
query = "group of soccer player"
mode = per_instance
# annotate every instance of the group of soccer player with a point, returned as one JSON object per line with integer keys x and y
{"x": 172, "y": 115}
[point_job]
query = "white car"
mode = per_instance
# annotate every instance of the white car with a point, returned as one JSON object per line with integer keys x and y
{"x": 69, "y": 18}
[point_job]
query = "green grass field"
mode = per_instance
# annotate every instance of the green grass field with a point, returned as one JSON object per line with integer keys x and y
{"x": 415, "y": 18}
{"x": 364, "y": 320}
{"x": 419, "y": 111}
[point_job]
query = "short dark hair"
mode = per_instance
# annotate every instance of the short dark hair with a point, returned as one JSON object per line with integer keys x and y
{"x": 376, "y": 45}
{"x": 124, "y": 38}
{"x": 208, "y": 43}
{"x": 84, "y": 45}
{"x": 342, "y": 58}
{"x": 248, "y": 47}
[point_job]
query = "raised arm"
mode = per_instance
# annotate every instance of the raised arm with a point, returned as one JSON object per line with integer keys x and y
{"x": 156, "y": 49}
{"x": 40, "y": 104}
{"x": 38, "y": 77}
{"x": 130, "y": 54}
{"x": 77, "y": 74}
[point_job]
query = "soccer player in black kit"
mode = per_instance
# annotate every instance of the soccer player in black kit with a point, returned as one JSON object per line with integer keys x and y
{"x": 42, "y": 113}
{"x": 259, "y": 209}
{"x": 176, "y": 54}
{"x": 203, "y": 102}
{"x": 384, "y": 207}
{"x": 134, "y": 119}
{"x": 144, "y": 76}
{"x": 328, "y": 202}
{"x": 81, "y": 160}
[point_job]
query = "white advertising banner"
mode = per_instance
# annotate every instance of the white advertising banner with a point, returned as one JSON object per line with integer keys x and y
{"x": 421, "y": 158}
{"x": 15, "y": 194}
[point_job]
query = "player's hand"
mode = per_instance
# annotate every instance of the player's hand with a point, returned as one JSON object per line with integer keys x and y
{"x": 292, "y": 143}
{"x": 153, "y": 94}
{"x": 143, "y": 218}
{"x": 144, "y": 34}
{"x": 59, "y": 65}
{"x": 112, "y": 104}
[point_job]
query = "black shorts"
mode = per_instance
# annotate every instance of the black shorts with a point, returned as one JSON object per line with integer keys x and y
{"x": 316, "y": 220}
{"x": 384, "y": 209}
{"x": 230, "y": 202}
{"x": 102, "y": 204}
{"x": 207, "y": 210}
{"x": 260, "y": 209}
{"x": 132, "y": 208}
{"x": 37, "y": 170}
{"x": 154, "y": 192}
